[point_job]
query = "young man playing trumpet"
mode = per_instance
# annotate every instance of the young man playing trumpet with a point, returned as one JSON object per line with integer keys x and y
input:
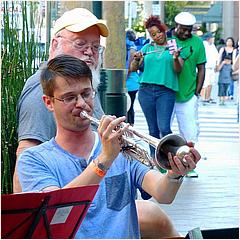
{"x": 77, "y": 33}
{"x": 78, "y": 156}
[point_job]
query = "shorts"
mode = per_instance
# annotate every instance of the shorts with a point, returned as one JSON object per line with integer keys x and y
{"x": 222, "y": 89}
{"x": 210, "y": 77}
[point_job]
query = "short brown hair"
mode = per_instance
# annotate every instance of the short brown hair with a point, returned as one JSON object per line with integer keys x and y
{"x": 65, "y": 66}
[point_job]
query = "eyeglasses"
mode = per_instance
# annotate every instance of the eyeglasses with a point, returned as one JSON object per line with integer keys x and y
{"x": 83, "y": 46}
{"x": 86, "y": 96}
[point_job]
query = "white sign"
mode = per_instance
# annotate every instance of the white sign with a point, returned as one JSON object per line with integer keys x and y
{"x": 61, "y": 215}
{"x": 156, "y": 9}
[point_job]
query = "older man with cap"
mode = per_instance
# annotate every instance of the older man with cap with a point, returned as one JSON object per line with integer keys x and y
{"x": 77, "y": 33}
{"x": 191, "y": 78}
{"x": 210, "y": 81}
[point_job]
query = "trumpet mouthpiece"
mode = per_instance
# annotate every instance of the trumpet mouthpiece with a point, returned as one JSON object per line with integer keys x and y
{"x": 83, "y": 114}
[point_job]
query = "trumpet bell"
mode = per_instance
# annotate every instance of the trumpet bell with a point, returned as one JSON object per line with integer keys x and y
{"x": 173, "y": 143}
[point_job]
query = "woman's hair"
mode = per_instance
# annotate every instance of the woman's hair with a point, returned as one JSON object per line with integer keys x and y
{"x": 155, "y": 21}
{"x": 66, "y": 66}
{"x": 233, "y": 43}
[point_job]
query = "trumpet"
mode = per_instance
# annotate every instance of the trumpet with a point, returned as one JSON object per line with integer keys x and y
{"x": 132, "y": 147}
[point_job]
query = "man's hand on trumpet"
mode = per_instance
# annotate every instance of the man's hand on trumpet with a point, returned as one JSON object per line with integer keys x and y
{"x": 180, "y": 167}
{"x": 110, "y": 134}
{"x": 164, "y": 187}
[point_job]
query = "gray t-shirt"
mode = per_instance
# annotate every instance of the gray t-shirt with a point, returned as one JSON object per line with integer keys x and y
{"x": 34, "y": 119}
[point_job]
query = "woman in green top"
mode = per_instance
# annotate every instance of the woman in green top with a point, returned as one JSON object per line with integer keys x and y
{"x": 159, "y": 81}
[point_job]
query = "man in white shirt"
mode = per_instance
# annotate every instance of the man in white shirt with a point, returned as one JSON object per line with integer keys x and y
{"x": 210, "y": 80}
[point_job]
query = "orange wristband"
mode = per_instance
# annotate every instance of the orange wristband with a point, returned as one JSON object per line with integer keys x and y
{"x": 97, "y": 170}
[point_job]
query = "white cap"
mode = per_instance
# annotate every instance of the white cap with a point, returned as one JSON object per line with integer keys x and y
{"x": 185, "y": 18}
{"x": 79, "y": 19}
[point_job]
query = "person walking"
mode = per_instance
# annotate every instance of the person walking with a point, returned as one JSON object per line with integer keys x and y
{"x": 235, "y": 76}
{"x": 191, "y": 78}
{"x": 211, "y": 68}
{"x": 225, "y": 78}
{"x": 235, "y": 73}
{"x": 227, "y": 50}
{"x": 77, "y": 33}
{"x": 132, "y": 81}
{"x": 235, "y": 52}
{"x": 159, "y": 80}
{"x": 93, "y": 158}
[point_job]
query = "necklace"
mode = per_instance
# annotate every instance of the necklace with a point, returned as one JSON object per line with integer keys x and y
{"x": 159, "y": 49}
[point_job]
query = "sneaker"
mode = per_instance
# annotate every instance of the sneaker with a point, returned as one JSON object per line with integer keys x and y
{"x": 211, "y": 101}
{"x": 192, "y": 174}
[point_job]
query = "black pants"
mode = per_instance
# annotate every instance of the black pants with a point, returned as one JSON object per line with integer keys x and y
{"x": 131, "y": 113}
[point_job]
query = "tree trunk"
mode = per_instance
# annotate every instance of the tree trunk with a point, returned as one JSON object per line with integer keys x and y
{"x": 68, "y": 5}
{"x": 115, "y": 53}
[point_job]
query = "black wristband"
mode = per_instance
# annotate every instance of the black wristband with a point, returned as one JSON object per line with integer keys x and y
{"x": 176, "y": 179}
{"x": 100, "y": 165}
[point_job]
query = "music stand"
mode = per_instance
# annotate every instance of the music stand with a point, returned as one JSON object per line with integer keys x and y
{"x": 53, "y": 214}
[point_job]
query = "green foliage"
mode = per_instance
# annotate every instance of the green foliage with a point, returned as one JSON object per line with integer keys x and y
{"x": 20, "y": 54}
{"x": 138, "y": 21}
{"x": 172, "y": 8}
{"x": 218, "y": 35}
{"x": 198, "y": 3}
{"x": 138, "y": 27}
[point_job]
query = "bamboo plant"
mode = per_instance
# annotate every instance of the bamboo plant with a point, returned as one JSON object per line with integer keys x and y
{"x": 20, "y": 53}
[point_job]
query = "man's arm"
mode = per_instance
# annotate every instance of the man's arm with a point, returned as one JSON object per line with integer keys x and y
{"x": 165, "y": 187}
{"x": 160, "y": 187}
{"x": 22, "y": 145}
{"x": 220, "y": 55}
{"x": 93, "y": 173}
{"x": 200, "y": 77}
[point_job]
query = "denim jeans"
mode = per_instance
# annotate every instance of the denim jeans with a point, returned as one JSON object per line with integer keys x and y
{"x": 157, "y": 103}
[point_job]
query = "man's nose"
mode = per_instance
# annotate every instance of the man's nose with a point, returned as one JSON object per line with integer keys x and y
{"x": 80, "y": 101}
{"x": 88, "y": 50}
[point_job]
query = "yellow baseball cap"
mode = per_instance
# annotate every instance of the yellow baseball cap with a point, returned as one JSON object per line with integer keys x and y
{"x": 79, "y": 19}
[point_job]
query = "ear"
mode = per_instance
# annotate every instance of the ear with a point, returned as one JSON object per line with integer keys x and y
{"x": 48, "y": 101}
{"x": 54, "y": 44}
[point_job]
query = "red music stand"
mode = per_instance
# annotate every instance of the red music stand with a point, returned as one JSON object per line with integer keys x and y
{"x": 53, "y": 214}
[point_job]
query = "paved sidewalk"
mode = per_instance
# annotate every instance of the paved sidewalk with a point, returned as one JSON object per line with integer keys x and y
{"x": 210, "y": 201}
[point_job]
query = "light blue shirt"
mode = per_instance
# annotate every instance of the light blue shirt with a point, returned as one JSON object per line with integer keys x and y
{"x": 132, "y": 81}
{"x": 112, "y": 213}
